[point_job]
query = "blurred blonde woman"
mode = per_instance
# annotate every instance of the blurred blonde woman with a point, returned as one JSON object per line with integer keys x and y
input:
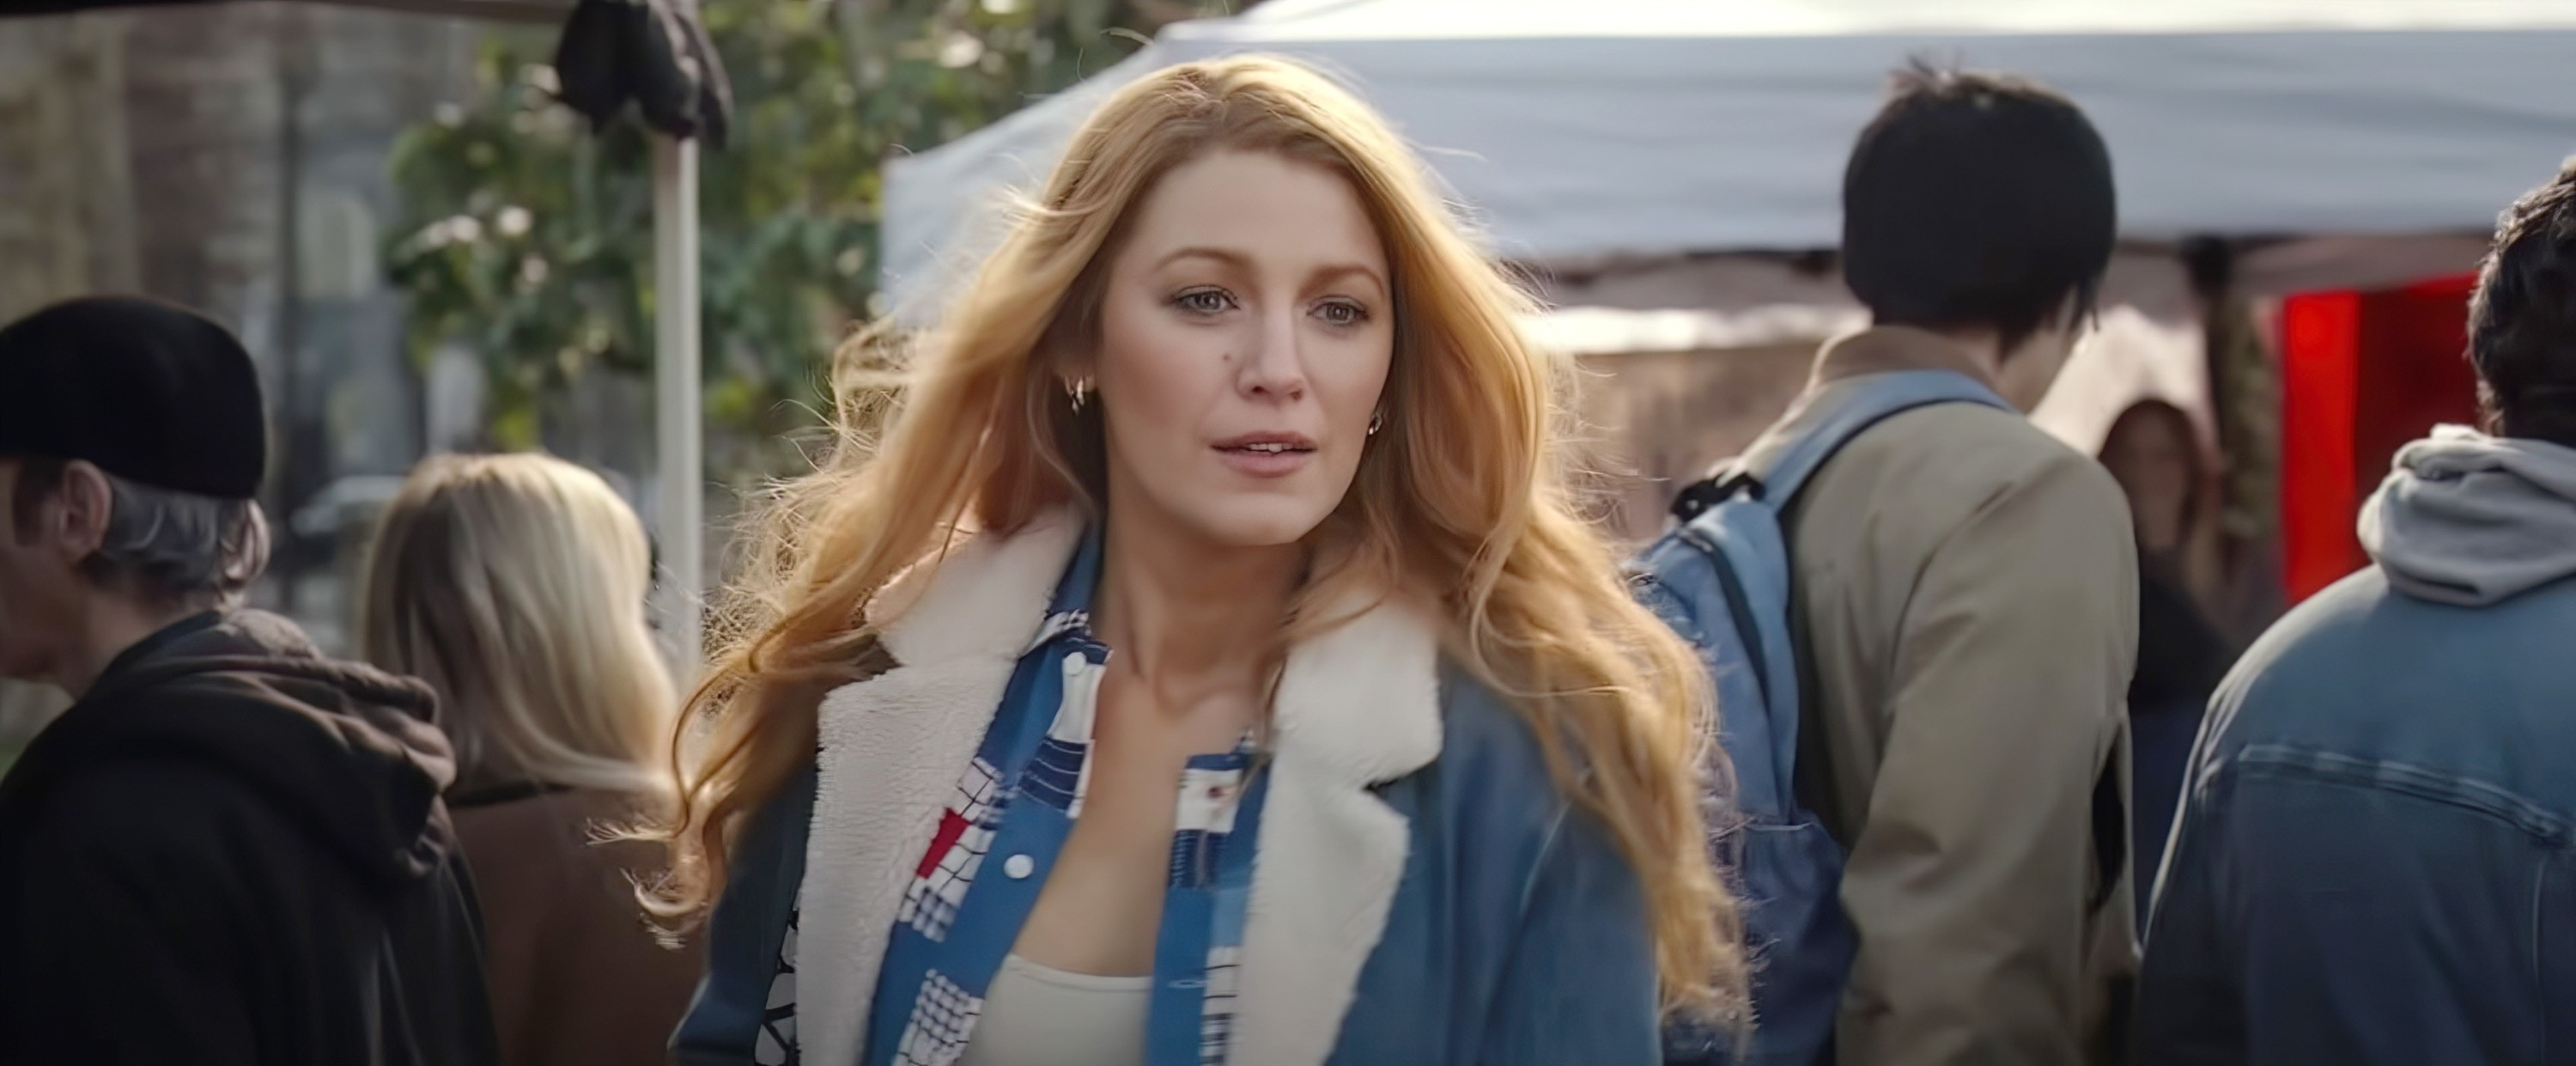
{"x": 515, "y": 585}
{"x": 1208, "y": 666}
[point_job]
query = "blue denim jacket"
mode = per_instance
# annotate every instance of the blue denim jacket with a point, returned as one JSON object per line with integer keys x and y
{"x": 2376, "y": 857}
{"x": 1517, "y": 935}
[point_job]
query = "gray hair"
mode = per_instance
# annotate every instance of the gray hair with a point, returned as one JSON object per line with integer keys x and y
{"x": 179, "y": 545}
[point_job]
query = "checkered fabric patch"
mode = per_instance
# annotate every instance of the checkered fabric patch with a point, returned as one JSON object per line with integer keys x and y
{"x": 1216, "y": 1008}
{"x": 943, "y": 1016}
{"x": 956, "y": 852}
{"x": 1060, "y": 772}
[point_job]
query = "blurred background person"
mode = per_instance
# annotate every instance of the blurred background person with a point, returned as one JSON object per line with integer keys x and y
{"x": 2373, "y": 865}
{"x": 232, "y": 849}
{"x": 515, "y": 586}
{"x": 1963, "y": 605}
{"x": 2155, "y": 454}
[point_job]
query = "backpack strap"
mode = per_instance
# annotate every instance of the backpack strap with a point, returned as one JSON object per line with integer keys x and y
{"x": 1865, "y": 403}
{"x": 1771, "y": 480}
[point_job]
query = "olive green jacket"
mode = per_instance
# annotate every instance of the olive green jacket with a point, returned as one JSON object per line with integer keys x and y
{"x": 1966, "y": 598}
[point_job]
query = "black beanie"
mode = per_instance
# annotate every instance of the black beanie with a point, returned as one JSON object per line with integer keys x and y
{"x": 151, "y": 392}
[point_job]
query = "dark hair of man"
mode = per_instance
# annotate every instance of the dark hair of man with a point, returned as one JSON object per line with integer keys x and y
{"x": 2522, "y": 320}
{"x": 1977, "y": 201}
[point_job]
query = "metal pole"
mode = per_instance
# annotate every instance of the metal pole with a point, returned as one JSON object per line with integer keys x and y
{"x": 676, "y": 407}
{"x": 294, "y": 467}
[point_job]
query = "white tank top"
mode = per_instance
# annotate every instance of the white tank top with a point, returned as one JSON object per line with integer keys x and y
{"x": 1041, "y": 1016}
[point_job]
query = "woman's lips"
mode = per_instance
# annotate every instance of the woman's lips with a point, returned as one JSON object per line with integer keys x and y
{"x": 1266, "y": 460}
{"x": 1266, "y": 457}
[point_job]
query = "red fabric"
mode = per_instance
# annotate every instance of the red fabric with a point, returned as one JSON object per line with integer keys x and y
{"x": 2320, "y": 358}
{"x": 2362, "y": 374}
{"x": 2416, "y": 372}
{"x": 952, "y": 827}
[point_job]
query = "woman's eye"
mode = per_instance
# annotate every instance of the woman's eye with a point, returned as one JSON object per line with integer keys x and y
{"x": 1203, "y": 301}
{"x": 1342, "y": 313}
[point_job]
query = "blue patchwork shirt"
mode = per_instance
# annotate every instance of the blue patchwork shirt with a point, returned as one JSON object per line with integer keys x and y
{"x": 1006, "y": 822}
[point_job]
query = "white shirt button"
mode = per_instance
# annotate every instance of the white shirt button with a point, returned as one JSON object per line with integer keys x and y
{"x": 1018, "y": 867}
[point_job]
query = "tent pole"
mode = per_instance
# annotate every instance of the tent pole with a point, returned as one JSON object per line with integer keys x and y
{"x": 676, "y": 406}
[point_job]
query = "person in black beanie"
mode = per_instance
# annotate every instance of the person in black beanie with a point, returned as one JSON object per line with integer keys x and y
{"x": 230, "y": 850}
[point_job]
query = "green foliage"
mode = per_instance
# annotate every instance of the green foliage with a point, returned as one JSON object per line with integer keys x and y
{"x": 528, "y": 238}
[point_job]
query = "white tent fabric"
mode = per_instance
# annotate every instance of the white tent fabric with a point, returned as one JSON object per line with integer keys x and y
{"x": 1663, "y": 127}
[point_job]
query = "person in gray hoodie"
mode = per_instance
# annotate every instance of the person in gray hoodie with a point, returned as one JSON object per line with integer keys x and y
{"x": 2376, "y": 856}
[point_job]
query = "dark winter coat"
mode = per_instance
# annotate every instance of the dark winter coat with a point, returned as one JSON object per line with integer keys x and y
{"x": 233, "y": 851}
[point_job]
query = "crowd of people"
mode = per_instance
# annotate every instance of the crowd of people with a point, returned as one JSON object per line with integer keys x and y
{"x": 1212, "y": 663}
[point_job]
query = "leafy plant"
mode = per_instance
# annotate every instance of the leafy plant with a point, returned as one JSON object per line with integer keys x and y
{"x": 528, "y": 238}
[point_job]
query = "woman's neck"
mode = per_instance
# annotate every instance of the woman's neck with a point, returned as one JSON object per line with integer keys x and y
{"x": 1187, "y": 616}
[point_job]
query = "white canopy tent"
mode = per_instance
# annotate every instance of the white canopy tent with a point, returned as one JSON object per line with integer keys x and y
{"x": 1652, "y": 129}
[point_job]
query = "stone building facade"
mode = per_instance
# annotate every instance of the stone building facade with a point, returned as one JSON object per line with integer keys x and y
{"x": 232, "y": 157}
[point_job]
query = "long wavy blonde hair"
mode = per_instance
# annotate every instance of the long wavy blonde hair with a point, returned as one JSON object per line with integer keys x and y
{"x": 1463, "y": 502}
{"x": 514, "y": 585}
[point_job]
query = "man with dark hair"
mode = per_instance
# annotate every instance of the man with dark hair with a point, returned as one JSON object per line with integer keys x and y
{"x": 2376, "y": 856}
{"x": 229, "y": 850}
{"x": 1965, "y": 592}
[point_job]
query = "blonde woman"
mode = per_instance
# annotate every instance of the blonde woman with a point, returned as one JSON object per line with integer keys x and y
{"x": 1230, "y": 472}
{"x": 514, "y": 585}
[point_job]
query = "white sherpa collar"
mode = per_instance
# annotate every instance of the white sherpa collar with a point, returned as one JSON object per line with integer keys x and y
{"x": 1357, "y": 706}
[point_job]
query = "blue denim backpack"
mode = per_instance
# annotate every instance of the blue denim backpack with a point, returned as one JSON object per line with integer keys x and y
{"x": 1721, "y": 578}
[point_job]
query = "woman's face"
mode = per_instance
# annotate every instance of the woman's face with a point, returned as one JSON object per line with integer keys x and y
{"x": 1245, "y": 338}
{"x": 2150, "y": 455}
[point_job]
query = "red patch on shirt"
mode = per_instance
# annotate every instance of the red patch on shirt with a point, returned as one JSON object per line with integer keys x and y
{"x": 952, "y": 827}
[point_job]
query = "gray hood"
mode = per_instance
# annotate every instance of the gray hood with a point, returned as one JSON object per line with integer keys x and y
{"x": 2470, "y": 519}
